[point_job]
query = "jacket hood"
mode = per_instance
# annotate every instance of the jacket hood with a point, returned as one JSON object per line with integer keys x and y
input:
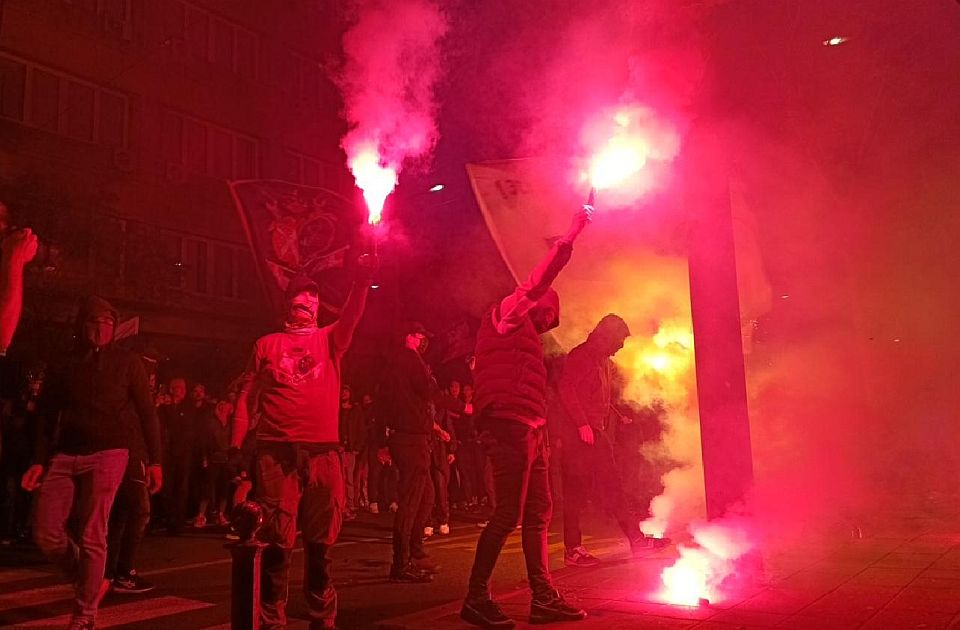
{"x": 93, "y": 306}
{"x": 610, "y": 329}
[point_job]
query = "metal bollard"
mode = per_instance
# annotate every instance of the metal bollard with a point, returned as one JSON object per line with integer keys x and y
{"x": 246, "y": 555}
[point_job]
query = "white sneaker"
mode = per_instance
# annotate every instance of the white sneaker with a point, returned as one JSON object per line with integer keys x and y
{"x": 374, "y": 508}
{"x": 428, "y": 531}
{"x": 394, "y": 507}
{"x": 444, "y": 529}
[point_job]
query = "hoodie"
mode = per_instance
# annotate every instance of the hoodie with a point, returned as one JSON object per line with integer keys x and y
{"x": 97, "y": 399}
{"x": 585, "y": 385}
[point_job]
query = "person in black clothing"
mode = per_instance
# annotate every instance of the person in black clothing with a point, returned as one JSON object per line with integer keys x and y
{"x": 179, "y": 421}
{"x": 101, "y": 395}
{"x": 381, "y": 474}
{"x": 449, "y": 408}
{"x": 511, "y": 386}
{"x": 18, "y": 427}
{"x": 404, "y": 403}
{"x": 217, "y": 472}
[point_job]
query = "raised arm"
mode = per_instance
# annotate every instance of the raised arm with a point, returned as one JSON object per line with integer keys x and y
{"x": 344, "y": 328}
{"x": 515, "y": 306}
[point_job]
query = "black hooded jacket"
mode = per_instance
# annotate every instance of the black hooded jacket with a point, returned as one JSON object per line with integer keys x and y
{"x": 97, "y": 400}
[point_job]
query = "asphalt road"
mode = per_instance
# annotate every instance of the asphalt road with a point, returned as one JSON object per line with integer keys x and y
{"x": 192, "y": 574}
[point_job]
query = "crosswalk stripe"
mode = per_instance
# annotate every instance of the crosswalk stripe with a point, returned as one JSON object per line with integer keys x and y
{"x": 130, "y": 612}
{"x": 16, "y": 575}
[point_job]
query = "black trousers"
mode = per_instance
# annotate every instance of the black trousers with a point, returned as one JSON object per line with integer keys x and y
{"x": 591, "y": 471}
{"x": 411, "y": 455}
{"x": 177, "y": 480}
{"x": 522, "y": 485}
{"x": 128, "y": 521}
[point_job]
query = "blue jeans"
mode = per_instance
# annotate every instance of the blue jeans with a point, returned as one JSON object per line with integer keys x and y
{"x": 90, "y": 483}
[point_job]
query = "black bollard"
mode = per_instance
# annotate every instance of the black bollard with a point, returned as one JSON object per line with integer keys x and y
{"x": 246, "y": 555}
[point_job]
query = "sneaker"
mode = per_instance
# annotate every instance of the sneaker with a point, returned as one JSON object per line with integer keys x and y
{"x": 639, "y": 546}
{"x": 199, "y": 521}
{"x": 553, "y": 607}
{"x": 374, "y": 508}
{"x": 426, "y": 564}
{"x": 579, "y": 557}
{"x": 232, "y": 536}
{"x": 444, "y": 529}
{"x": 394, "y": 507}
{"x": 485, "y": 613}
{"x": 131, "y": 583}
{"x": 410, "y": 574}
{"x": 428, "y": 531}
{"x": 222, "y": 520}
{"x": 482, "y": 524}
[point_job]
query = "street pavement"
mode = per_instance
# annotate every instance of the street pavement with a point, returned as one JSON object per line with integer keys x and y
{"x": 904, "y": 574}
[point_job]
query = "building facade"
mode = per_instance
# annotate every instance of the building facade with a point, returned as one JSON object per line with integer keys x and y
{"x": 120, "y": 122}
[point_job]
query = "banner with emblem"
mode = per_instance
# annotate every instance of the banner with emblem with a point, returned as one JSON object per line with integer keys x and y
{"x": 294, "y": 229}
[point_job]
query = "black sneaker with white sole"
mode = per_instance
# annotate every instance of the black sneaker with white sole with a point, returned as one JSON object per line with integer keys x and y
{"x": 485, "y": 614}
{"x": 131, "y": 583}
{"x": 551, "y": 607}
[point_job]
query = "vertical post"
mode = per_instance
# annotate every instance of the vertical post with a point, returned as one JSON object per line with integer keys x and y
{"x": 245, "y": 585}
{"x": 714, "y": 301}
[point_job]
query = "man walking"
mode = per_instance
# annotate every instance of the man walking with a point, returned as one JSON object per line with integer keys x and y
{"x": 299, "y": 465}
{"x": 511, "y": 384}
{"x": 101, "y": 394}
{"x": 586, "y": 412}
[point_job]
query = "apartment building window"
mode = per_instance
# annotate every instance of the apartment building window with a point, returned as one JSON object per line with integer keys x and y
{"x": 111, "y": 17}
{"x": 197, "y": 34}
{"x": 201, "y": 148}
{"x": 303, "y": 169}
{"x": 46, "y": 99}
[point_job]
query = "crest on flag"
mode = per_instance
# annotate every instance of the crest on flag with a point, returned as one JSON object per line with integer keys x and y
{"x": 294, "y": 230}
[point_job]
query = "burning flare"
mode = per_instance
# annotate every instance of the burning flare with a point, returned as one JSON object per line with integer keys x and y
{"x": 392, "y": 63}
{"x": 622, "y": 144}
{"x": 700, "y": 571}
{"x": 374, "y": 179}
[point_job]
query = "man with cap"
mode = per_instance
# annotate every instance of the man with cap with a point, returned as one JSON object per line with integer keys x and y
{"x": 586, "y": 413}
{"x": 404, "y": 407}
{"x": 510, "y": 402}
{"x": 293, "y": 380}
{"x": 102, "y": 396}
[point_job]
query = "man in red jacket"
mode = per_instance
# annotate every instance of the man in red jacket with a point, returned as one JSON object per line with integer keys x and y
{"x": 295, "y": 375}
{"x": 511, "y": 385}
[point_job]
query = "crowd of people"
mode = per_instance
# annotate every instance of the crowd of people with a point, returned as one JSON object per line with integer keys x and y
{"x": 107, "y": 452}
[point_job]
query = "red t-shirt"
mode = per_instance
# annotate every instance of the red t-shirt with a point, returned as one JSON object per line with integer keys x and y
{"x": 298, "y": 385}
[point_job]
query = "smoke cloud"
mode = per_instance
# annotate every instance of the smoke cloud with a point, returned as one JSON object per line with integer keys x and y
{"x": 392, "y": 63}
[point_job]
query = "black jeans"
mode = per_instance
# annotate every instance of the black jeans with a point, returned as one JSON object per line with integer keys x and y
{"x": 411, "y": 455}
{"x": 522, "y": 485}
{"x": 128, "y": 520}
{"x": 580, "y": 465}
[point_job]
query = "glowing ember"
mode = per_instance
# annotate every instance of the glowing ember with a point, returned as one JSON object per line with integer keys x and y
{"x": 374, "y": 179}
